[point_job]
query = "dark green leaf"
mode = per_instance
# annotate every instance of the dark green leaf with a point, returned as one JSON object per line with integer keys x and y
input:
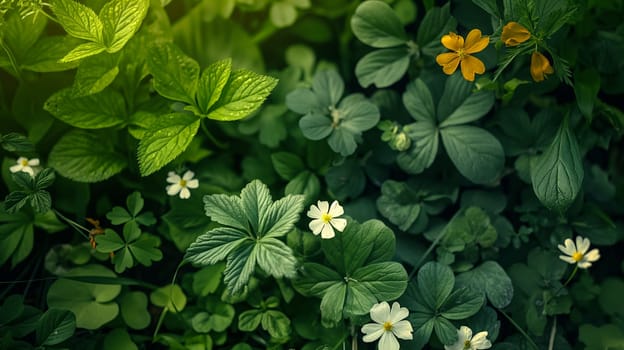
{"x": 377, "y": 25}
{"x": 586, "y": 88}
{"x": 287, "y": 165}
{"x": 425, "y": 143}
{"x": 55, "y": 326}
{"x": 419, "y": 102}
{"x": 382, "y": 67}
{"x": 435, "y": 282}
{"x": 490, "y": 279}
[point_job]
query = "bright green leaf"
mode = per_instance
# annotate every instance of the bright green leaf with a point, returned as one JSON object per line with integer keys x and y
{"x": 96, "y": 111}
{"x": 78, "y": 20}
{"x": 175, "y": 74}
{"x": 170, "y": 297}
{"x": 211, "y": 84}
{"x": 120, "y": 20}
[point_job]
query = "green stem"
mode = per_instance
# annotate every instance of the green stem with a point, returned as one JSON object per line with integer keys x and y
{"x": 74, "y": 224}
{"x": 553, "y": 332}
{"x": 211, "y": 137}
{"x": 569, "y": 279}
{"x": 526, "y": 336}
{"x": 11, "y": 57}
{"x": 267, "y": 30}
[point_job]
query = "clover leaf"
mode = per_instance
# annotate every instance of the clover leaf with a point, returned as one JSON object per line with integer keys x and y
{"x": 135, "y": 245}
{"x": 328, "y": 115}
{"x": 252, "y": 224}
{"x": 360, "y": 274}
{"x": 134, "y": 202}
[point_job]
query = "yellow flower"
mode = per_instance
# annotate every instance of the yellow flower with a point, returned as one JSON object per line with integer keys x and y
{"x": 461, "y": 55}
{"x": 540, "y": 66}
{"x": 514, "y": 34}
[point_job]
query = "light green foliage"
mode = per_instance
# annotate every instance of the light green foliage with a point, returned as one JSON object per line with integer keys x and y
{"x": 87, "y": 111}
{"x": 171, "y": 297}
{"x": 133, "y": 308}
{"x": 249, "y": 238}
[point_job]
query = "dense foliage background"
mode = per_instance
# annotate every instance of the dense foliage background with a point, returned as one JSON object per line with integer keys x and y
{"x": 160, "y": 159}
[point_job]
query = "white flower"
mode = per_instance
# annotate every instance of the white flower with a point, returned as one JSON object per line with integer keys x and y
{"x": 465, "y": 340}
{"x": 24, "y": 164}
{"x": 577, "y": 254}
{"x": 325, "y": 219}
{"x": 181, "y": 185}
{"x": 390, "y": 325}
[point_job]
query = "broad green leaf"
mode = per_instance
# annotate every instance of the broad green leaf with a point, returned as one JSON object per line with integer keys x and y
{"x": 436, "y": 23}
{"x": 118, "y": 339}
{"x": 445, "y": 330}
{"x": 78, "y": 20}
{"x": 16, "y": 236}
{"x": 382, "y": 67}
{"x": 77, "y": 157}
{"x": 14, "y": 142}
{"x": 346, "y": 179}
{"x": 120, "y": 20}
{"x": 377, "y": 25}
{"x": 255, "y": 200}
{"x": 55, "y": 326}
{"x": 46, "y": 54}
{"x": 419, "y": 102}
{"x": 328, "y": 87}
{"x": 396, "y": 205}
{"x": 287, "y": 164}
{"x": 134, "y": 311}
{"x": 315, "y": 126}
{"x": 165, "y": 141}
{"x": 332, "y": 304}
{"x": 425, "y": 143}
{"x": 304, "y": 101}
{"x": 226, "y": 210}
{"x": 305, "y": 183}
{"x": 586, "y": 88}
{"x": 93, "y": 304}
{"x": 275, "y": 257}
{"x": 342, "y": 141}
{"x": 473, "y": 226}
{"x": 244, "y": 92}
{"x": 492, "y": 280}
{"x": 208, "y": 279}
{"x": 385, "y": 280}
{"x": 214, "y": 246}
{"x": 175, "y": 74}
{"x": 462, "y": 303}
{"x": 97, "y": 111}
{"x": 145, "y": 249}
{"x": 170, "y": 297}
{"x": 276, "y": 323}
{"x": 489, "y": 6}
{"x": 82, "y": 51}
{"x": 357, "y": 114}
{"x": 558, "y": 175}
{"x": 241, "y": 264}
{"x": 94, "y": 74}
{"x": 211, "y": 84}
{"x": 475, "y": 152}
{"x": 281, "y": 216}
{"x": 435, "y": 282}
{"x": 475, "y": 106}
{"x": 249, "y": 320}
{"x": 19, "y": 35}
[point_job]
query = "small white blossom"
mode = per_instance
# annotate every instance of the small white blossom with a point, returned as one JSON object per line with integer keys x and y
{"x": 465, "y": 340}
{"x": 390, "y": 324}
{"x": 24, "y": 164}
{"x": 577, "y": 253}
{"x": 325, "y": 219}
{"x": 182, "y": 184}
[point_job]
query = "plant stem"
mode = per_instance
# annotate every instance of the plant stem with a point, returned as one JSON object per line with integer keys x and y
{"x": 74, "y": 224}
{"x": 526, "y": 336}
{"x": 212, "y": 138}
{"x": 553, "y": 331}
{"x": 569, "y": 278}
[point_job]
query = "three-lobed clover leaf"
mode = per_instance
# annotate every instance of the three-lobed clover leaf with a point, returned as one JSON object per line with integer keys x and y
{"x": 328, "y": 115}
{"x": 249, "y": 238}
{"x": 134, "y": 246}
{"x": 134, "y": 203}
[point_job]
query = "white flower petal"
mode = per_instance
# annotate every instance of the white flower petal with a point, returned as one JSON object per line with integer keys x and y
{"x": 339, "y": 224}
{"x": 593, "y": 255}
{"x": 173, "y": 178}
{"x": 316, "y": 226}
{"x": 403, "y": 330}
{"x": 373, "y": 331}
{"x": 33, "y": 162}
{"x": 314, "y": 212}
{"x": 174, "y": 189}
{"x": 185, "y": 193}
{"x": 397, "y": 313}
{"x": 336, "y": 209}
{"x": 584, "y": 264}
{"x": 16, "y": 168}
{"x": 582, "y": 244}
{"x": 388, "y": 342}
{"x": 327, "y": 232}
{"x": 323, "y": 206}
{"x": 192, "y": 183}
{"x": 569, "y": 247}
{"x": 188, "y": 175}
{"x": 380, "y": 313}
{"x": 464, "y": 333}
{"x": 479, "y": 341}
{"x": 567, "y": 259}
{"x": 29, "y": 170}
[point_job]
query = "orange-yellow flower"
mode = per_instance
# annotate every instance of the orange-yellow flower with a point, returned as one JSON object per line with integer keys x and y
{"x": 540, "y": 66}
{"x": 470, "y": 65}
{"x": 514, "y": 34}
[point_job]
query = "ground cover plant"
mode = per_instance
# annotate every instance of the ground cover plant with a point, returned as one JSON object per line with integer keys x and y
{"x": 311, "y": 174}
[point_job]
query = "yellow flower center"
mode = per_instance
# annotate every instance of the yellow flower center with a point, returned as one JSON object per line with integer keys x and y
{"x": 24, "y": 162}
{"x": 467, "y": 345}
{"x": 578, "y": 256}
{"x": 461, "y": 53}
{"x": 326, "y": 218}
{"x": 387, "y": 326}
{"x": 183, "y": 183}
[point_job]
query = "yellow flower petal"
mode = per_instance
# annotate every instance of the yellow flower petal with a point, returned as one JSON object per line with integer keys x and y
{"x": 471, "y": 65}
{"x": 449, "y": 62}
{"x": 453, "y": 41}
{"x": 540, "y": 66}
{"x": 475, "y": 42}
{"x": 514, "y": 34}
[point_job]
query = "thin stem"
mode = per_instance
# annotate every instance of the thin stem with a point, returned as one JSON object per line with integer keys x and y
{"x": 569, "y": 278}
{"x": 74, "y": 224}
{"x": 553, "y": 331}
{"x": 526, "y": 336}
{"x": 212, "y": 138}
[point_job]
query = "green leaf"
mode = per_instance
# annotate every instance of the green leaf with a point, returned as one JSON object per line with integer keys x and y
{"x": 241, "y": 264}
{"x": 475, "y": 106}
{"x": 275, "y": 257}
{"x": 281, "y": 216}
{"x": 118, "y": 216}
{"x": 14, "y": 142}
{"x": 419, "y": 102}
{"x": 120, "y": 20}
{"x": 93, "y": 304}
{"x": 276, "y": 323}
{"x": 435, "y": 282}
{"x": 175, "y": 74}
{"x": 243, "y": 94}
{"x": 385, "y": 280}
{"x": 15, "y": 201}
{"x": 77, "y": 157}
{"x": 315, "y": 126}
{"x": 377, "y": 25}
{"x": 425, "y": 143}
{"x": 473, "y": 226}
{"x": 211, "y": 84}
{"x": 315, "y": 279}
{"x": 46, "y": 54}
{"x": 97, "y": 111}
{"x": 55, "y": 326}
{"x": 492, "y": 280}
{"x": 436, "y": 23}
{"x": 586, "y": 88}
{"x": 118, "y": 339}
{"x": 208, "y": 279}
{"x": 249, "y": 320}
{"x": 305, "y": 183}
{"x": 332, "y": 304}
{"x": 145, "y": 249}
{"x": 214, "y": 246}
{"x": 78, "y": 20}
{"x": 226, "y": 210}
{"x": 83, "y": 51}
{"x": 134, "y": 311}
{"x": 163, "y": 142}
{"x": 287, "y": 164}
{"x": 382, "y": 67}
{"x": 445, "y": 330}
{"x": 558, "y": 175}
{"x": 41, "y": 201}
{"x": 94, "y": 74}
{"x": 170, "y": 297}
{"x": 462, "y": 303}
{"x": 110, "y": 241}
{"x": 475, "y": 152}
{"x": 489, "y": 6}
{"x": 328, "y": 88}
{"x": 16, "y": 236}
